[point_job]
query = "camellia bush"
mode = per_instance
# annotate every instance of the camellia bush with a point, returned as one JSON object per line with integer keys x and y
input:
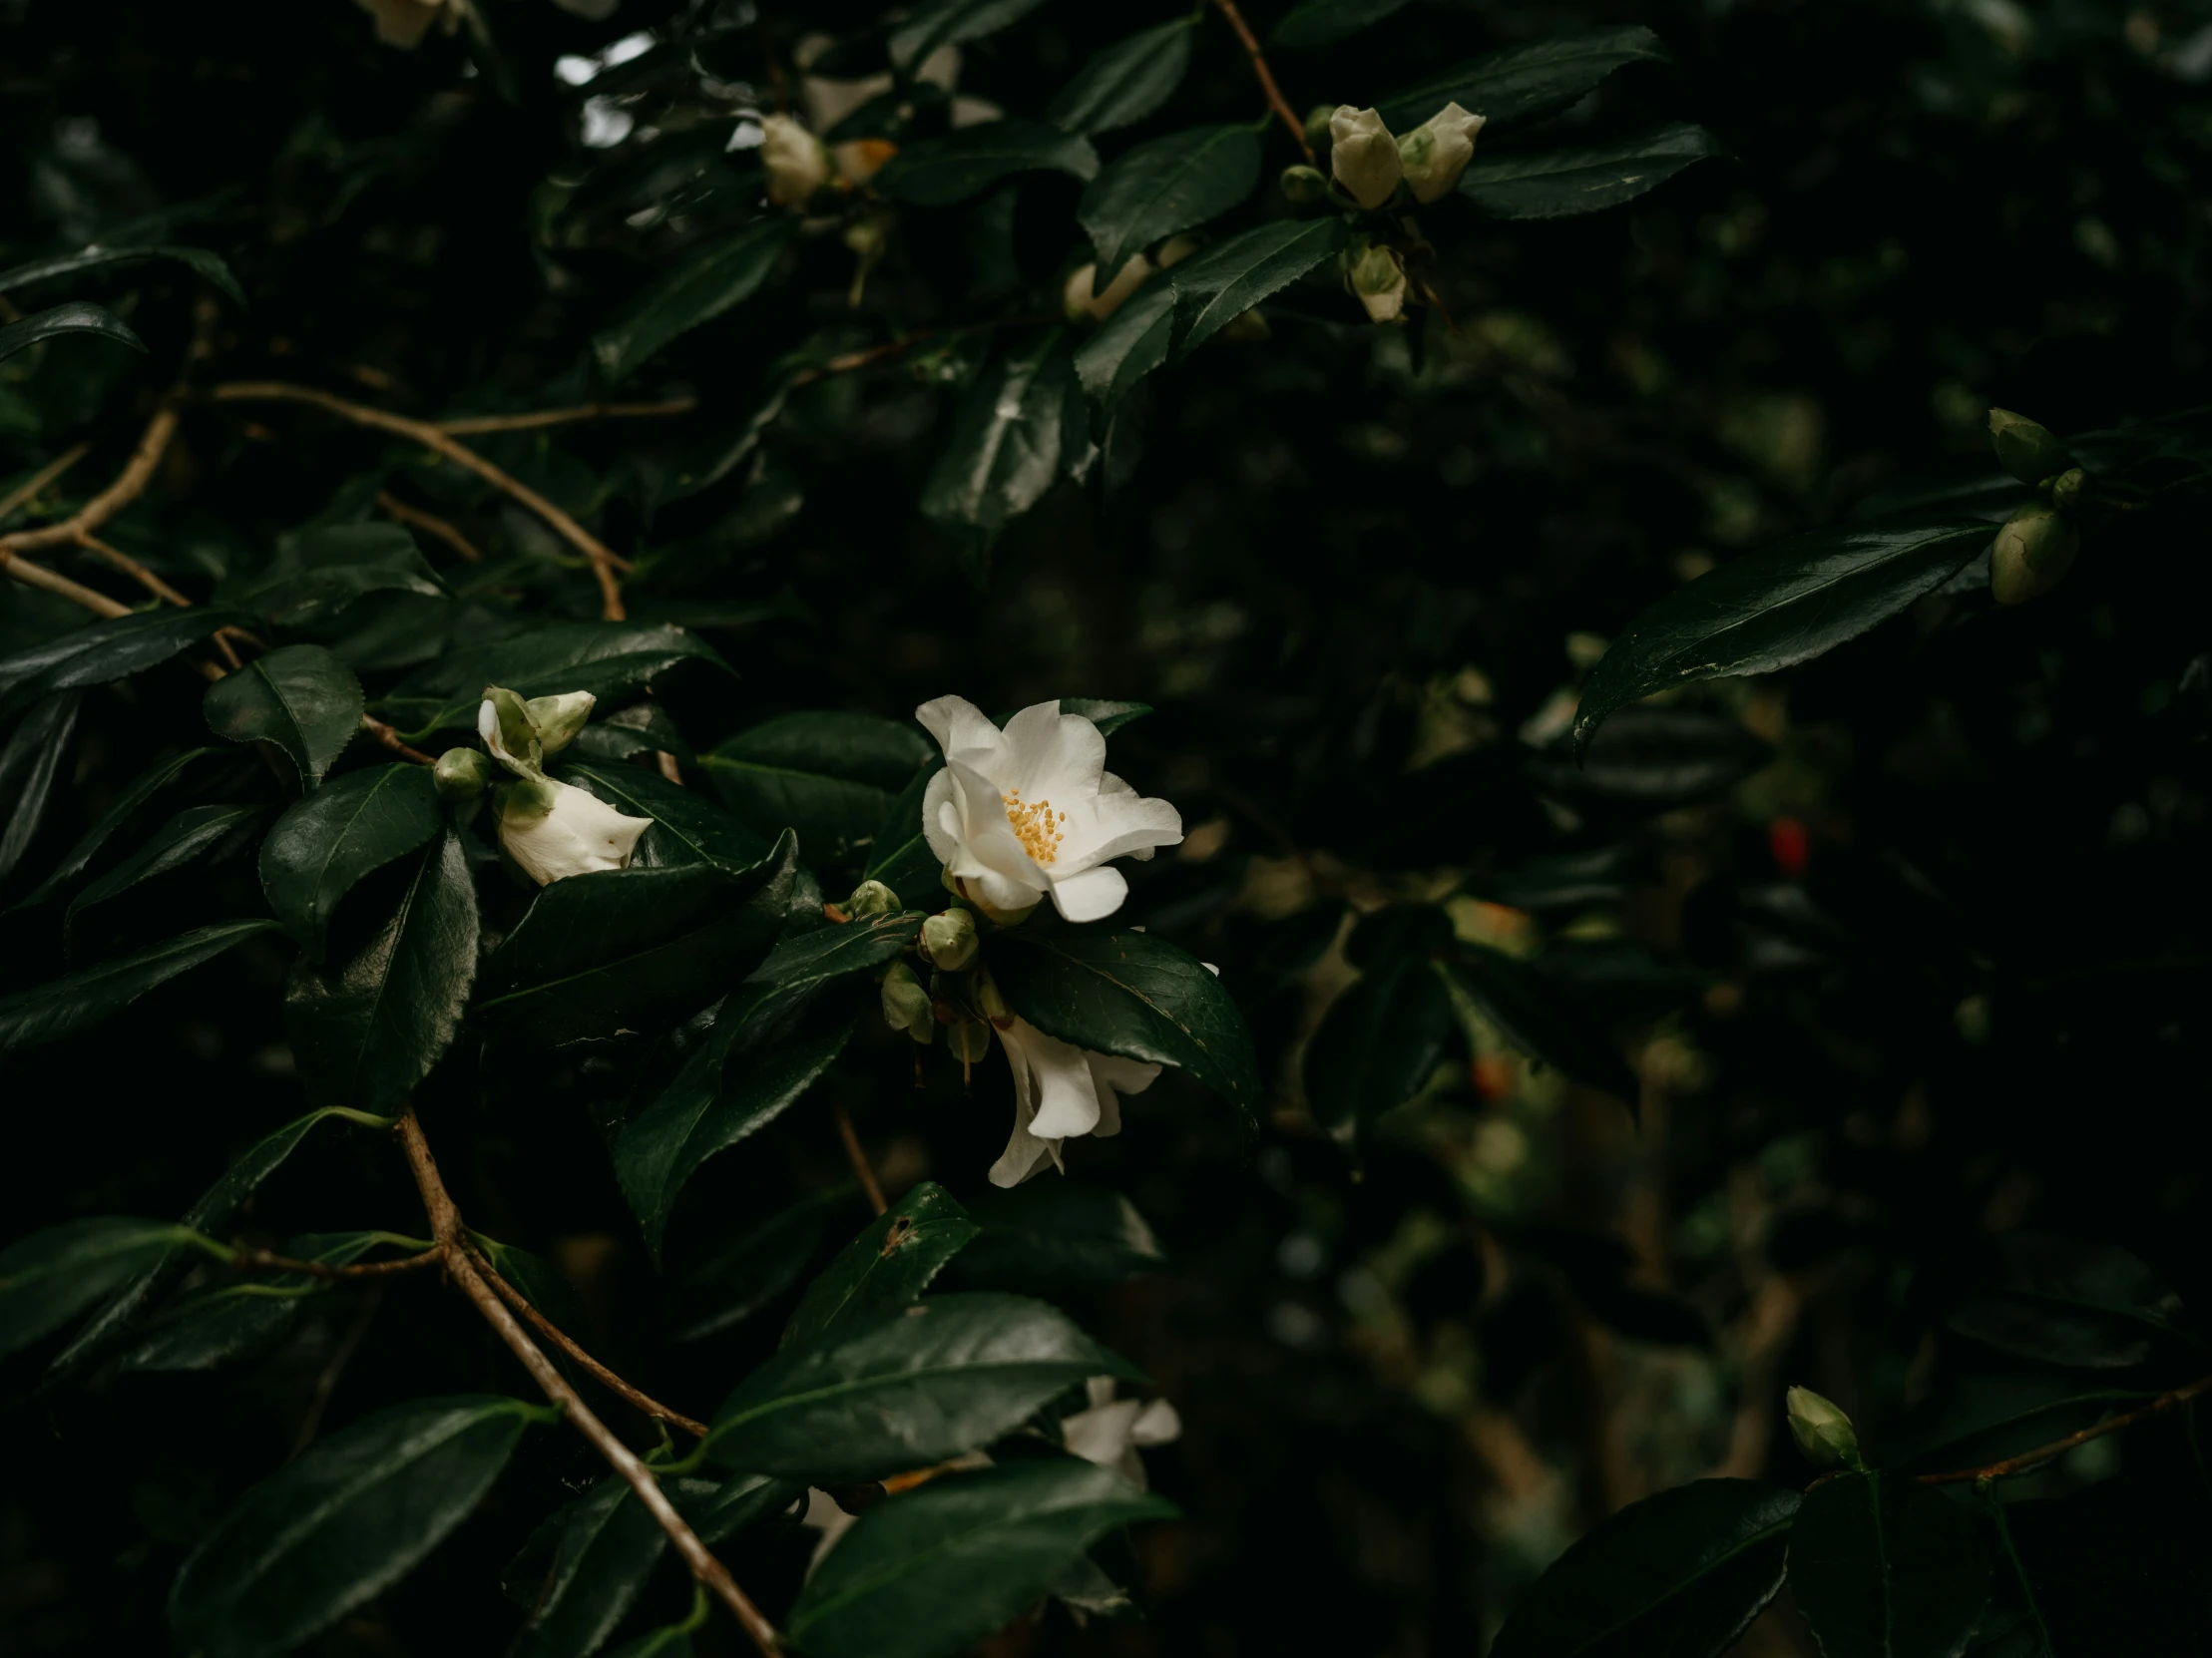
{"x": 858, "y": 832}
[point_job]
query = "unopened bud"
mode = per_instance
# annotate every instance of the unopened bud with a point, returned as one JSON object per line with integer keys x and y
{"x": 2031, "y": 554}
{"x": 1378, "y": 281}
{"x": 2071, "y": 488}
{"x": 461, "y": 775}
{"x": 906, "y": 1005}
{"x": 871, "y": 898}
{"x": 508, "y": 732}
{"x": 1823, "y": 1432}
{"x": 1362, "y": 155}
{"x": 1305, "y": 186}
{"x": 556, "y": 720}
{"x": 969, "y": 1042}
{"x": 2024, "y": 449}
{"x": 1317, "y": 126}
{"x": 990, "y": 1003}
{"x": 949, "y": 940}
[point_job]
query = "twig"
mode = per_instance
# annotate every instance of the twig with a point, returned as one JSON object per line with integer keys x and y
{"x": 262, "y": 1260}
{"x": 430, "y": 524}
{"x": 603, "y": 557}
{"x": 452, "y": 1236}
{"x": 388, "y": 735}
{"x": 326, "y": 1383}
{"x": 32, "y": 487}
{"x": 130, "y": 567}
{"x": 38, "y": 575}
{"x": 606, "y": 1378}
{"x": 128, "y": 485}
{"x": 2029, "y": 1460}
{"x": 1275, "y": 99}
{"x": 469, "y": 425}
{"x": 858, "y": 1158}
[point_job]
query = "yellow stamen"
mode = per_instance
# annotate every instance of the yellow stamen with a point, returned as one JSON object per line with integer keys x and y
{"x": 1035, "y": 826}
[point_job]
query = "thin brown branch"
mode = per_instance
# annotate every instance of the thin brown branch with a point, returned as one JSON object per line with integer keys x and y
{"x": 34, "y": 485}
{"x": 430, "y": 524}
{"x": 599, "y": 1372}
{"x": 38, "y": 575}
{"x": 470, "y": 425}
{"x": 389, "y": 737}
{"x": 859, "y": 1159}
{"x": 1275, "y": 99}
{"x": 130, "y": 567}
{"x": 452, "y": 1236}
{"x": 262, "y": 1260}
{"x": 603, "y": 559}
{"x": 128, "y": 485}
{"x": 2029, "y": 1460}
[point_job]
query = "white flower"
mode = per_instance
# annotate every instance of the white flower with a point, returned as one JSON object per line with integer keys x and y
{"x": 1362, "y": 155}
{"x": 1378, "y": 279}
{"x": 1061, "y": 1091}
{"x": 1081, "y": 296}
{"x": 556, "y": 830}
{"x": 829, "y": 101}
{"x": 1437, "y": 152}
{"x": 796, "y": 163}
{"x": 1111, "y": 1429}
{"x": 1031, "y": 810}
{"x": 403, "y": 23}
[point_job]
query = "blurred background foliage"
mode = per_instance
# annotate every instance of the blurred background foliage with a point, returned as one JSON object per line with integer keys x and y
{"x": 1906, "y": 949}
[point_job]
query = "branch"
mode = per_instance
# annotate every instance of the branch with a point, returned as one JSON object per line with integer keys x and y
{"x": 452, "y": 1236}
{"x": 30, "y": 489}
{"x": 470, "y": 424}
{"x": 128, "y": 485}
{"x": 2029, "y": 1460}
{"x": 1275, "y": 99}
{"x": 859, "y": 1159}
{"x": 604, "y": 560}
{"x": 130, "y": 567}
{"x": 262, "y": 1260}
{"x": 429, "y": 524}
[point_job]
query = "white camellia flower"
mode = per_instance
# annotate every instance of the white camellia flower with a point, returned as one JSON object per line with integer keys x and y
{"x": 1031, "y": 810}
{"x": 551, "y": 830}
{"x": 1112, "y": 1431}
{"x": 1362, "y": 155}
{"x": 795, "y": 163}
{"x": 1061, "y": 1091}
{"x": 1437, "y": 152}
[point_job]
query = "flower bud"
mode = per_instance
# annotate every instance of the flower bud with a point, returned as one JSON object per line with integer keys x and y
{"x": 2024, "y": 449}
{"x": 1437, "y": 152}
{"x": 1378, "y": 281}
{"x": 990, "y": 1003}
{"x": 461, "y": 775}
{"x": 1823, "y": 1432}
{"x": 558, "y": 718}
{"x": 2031, "y": 554}
{"x": 1317, "y": 126}
{"x": 871, "y": 898}
{"x": 1305, "y": 186}
{"x": 794, "y": 161}
{"x": 949, "y": 940}
{"x": 1080, "y": 297}
{"x": 906, "y": 1005}
{"x": 2071, "y": 488}
{"x": 509, "y": 733}
{"x": 1362, "y": 155}
{"x": 969, "y": 1042}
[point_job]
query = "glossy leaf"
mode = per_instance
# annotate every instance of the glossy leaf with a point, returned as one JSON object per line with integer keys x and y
{"x": 194, "y": 833}
{"x": 899, "y": 854}
{"x": 107, "y": 650}
{"x": 1132, "y": 343}
{"x": 1979, "y": 1418}
{"x": 606, "y": 659}
{"x": 903, "y": 1389}
{"x": 831, "y": 776}
{"x": 325, "y": 842}
{"x": 603, "y": 1547}
{"x": 1164, "y": 185}
{"x": 1113, "y": 990}
{"x": 950, "y": 23}
{"x": 52, "y": 1276}
{"x": 213, "y": 1326}
{"x": 75, "y": 318}
{"x": 1126, "y": 81}
{"x": 1536, "y": 1017}
{"x": 939, "y": 171}
{"x": 1051, "y": 1235}
{"x": 1684, "y": 1572}
{"x": 199, "y": 260}
{"x": 687, "y": 827}
{"x": 142, "y": 788}
{"x": 1106, "y": 713}
{"x": 1775, "y": 607}
{"x": 347, "y": 1518}
{"x": 1585, "y": 178}
{"x": 708, "y": 283}
{"x": 300, "y": 698}
{"x": 1313, "y": 24}
{"x": 1885, "y": 1567}
{"x": 73, "y": 1004}
{"x": 316, "y": 575}
{"x": 1378, "y": 1044}
{"x": 762, "y": 1261}
{"x": 1215, "y": 287}
{"x": 364, "y": 1033}
{"x": 935, "y": 1569}
{"x": 887, "y": 1267}
{"x": 30, "y": 766}
{"x": 633, "y": 949}
{"x": 1523, "y": 84}
{"x": 2055, "y": 1301}
{"x": 720, "y": 1512}
{"x": 1004, "y": 447}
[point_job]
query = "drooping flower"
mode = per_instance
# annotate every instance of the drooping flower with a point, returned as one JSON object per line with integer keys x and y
{"x": 794, "y": 161}
{"x": 1112, "y": 1431}
{"x": 1031, "y": 810}
{"x": 1437, "y": 152}
{"x": 1061, "y": 1091}
{"x": 551, "y": 830}
{"x": 1362, "y": 155}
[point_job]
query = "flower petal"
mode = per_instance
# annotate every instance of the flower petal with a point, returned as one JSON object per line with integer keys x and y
{"x": 1052, "y": 755}
{"x": 1066, "y": 1097}
{"x": 1090, "y": 895}
{"x": 959, "y": 726}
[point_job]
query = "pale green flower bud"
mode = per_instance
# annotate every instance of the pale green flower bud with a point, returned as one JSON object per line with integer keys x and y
{"x": 1823, "y": 1432}
{"x": 2024, "y": 449}
{"x": 2031, "y": 554}
{"x": 2071, "y": 488}
{"x": 870, "y": 898}
{"x": 949, "y": 940}
{"x": 1378, "y": 281}
{"x": 558, "y": 718}
{"x": 461, "y": 775}
{"x": 1317, "y": 126}
{"x": 906, "y": 1005}
{"x": 510, "y": 734}
{"x": 1362, "y": 155}
{"x": 1305, "y": 186}
{"x": 1437, "y": 152}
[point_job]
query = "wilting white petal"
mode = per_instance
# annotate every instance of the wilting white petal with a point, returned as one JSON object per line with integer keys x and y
{"x": 556, "y": 830}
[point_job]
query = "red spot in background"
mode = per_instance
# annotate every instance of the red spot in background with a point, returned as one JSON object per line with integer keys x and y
{"x": 1787, "y": 841}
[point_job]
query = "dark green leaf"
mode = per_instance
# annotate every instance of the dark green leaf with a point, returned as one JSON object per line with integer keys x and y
{"x": 937, "y": 172}
{"x": 935, "y": 1569}
{"x": 147, "y": 784}
{"x": 68, "y": 1005}
{"x": 328, "y": 841}
{"x": 302, "y": 698}
{"x": 29, "y": 767}
{"x": 687, "y": 828}
{"x": 1104, "y": 712}
{"x": 606, "y": 659}
{"x": 1652, "y": 757}
{"x": 75, "y": 318}
{"x": 1973, "y": 1419}
{"x": 2057, "y": 1300}
{"x": 1537, "y": 1017}
{"x": 107, "y": 650}
{"x": 1113, "y": 990}
{"x": 365, "y": 1032}
{"x": 1684, "y": 1572}
{"x": 1587, "y": 177}
{"x": 1167, "y": 184}
{"x": 1378, "y": 1044}
{"x": 910, "y": 1388}
{"x": 1885, "y": 1567}
{"x": 215, "y": 1325}
{"x": 1215, "y": 287}
{"x": 1775, "y": 607}
{"x": 1524, "y": 83}
{"x": 1126, "y": 81}
{"x": 719, "y": 1513}
{"x": 319, "y": 573}
{"x": 633, "y": 949}
{"x": 949, "y": 23}
{"x": 202, "y": 263}
{"x": 753, "y": 1268}
{"x": 2111, "y": 1570}
{"x": 603, "y": 1548}
{"x": 1004, "y": 447}
{"x": 194, "y": 833}
{"x": 899, "y": 855}
{"x": 887, "y": 1267}
{"x": 708, "y": 281}
{"x": 1313, "y": 24}
{"x": 1053, "y": 1235}
{"x": 641, "y": 729}
{"x": 50, "y": 1276}
{"x": 829, "y": 776}
{"x": 1132, "y": 342}
{"x": 346, "y": 1520}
